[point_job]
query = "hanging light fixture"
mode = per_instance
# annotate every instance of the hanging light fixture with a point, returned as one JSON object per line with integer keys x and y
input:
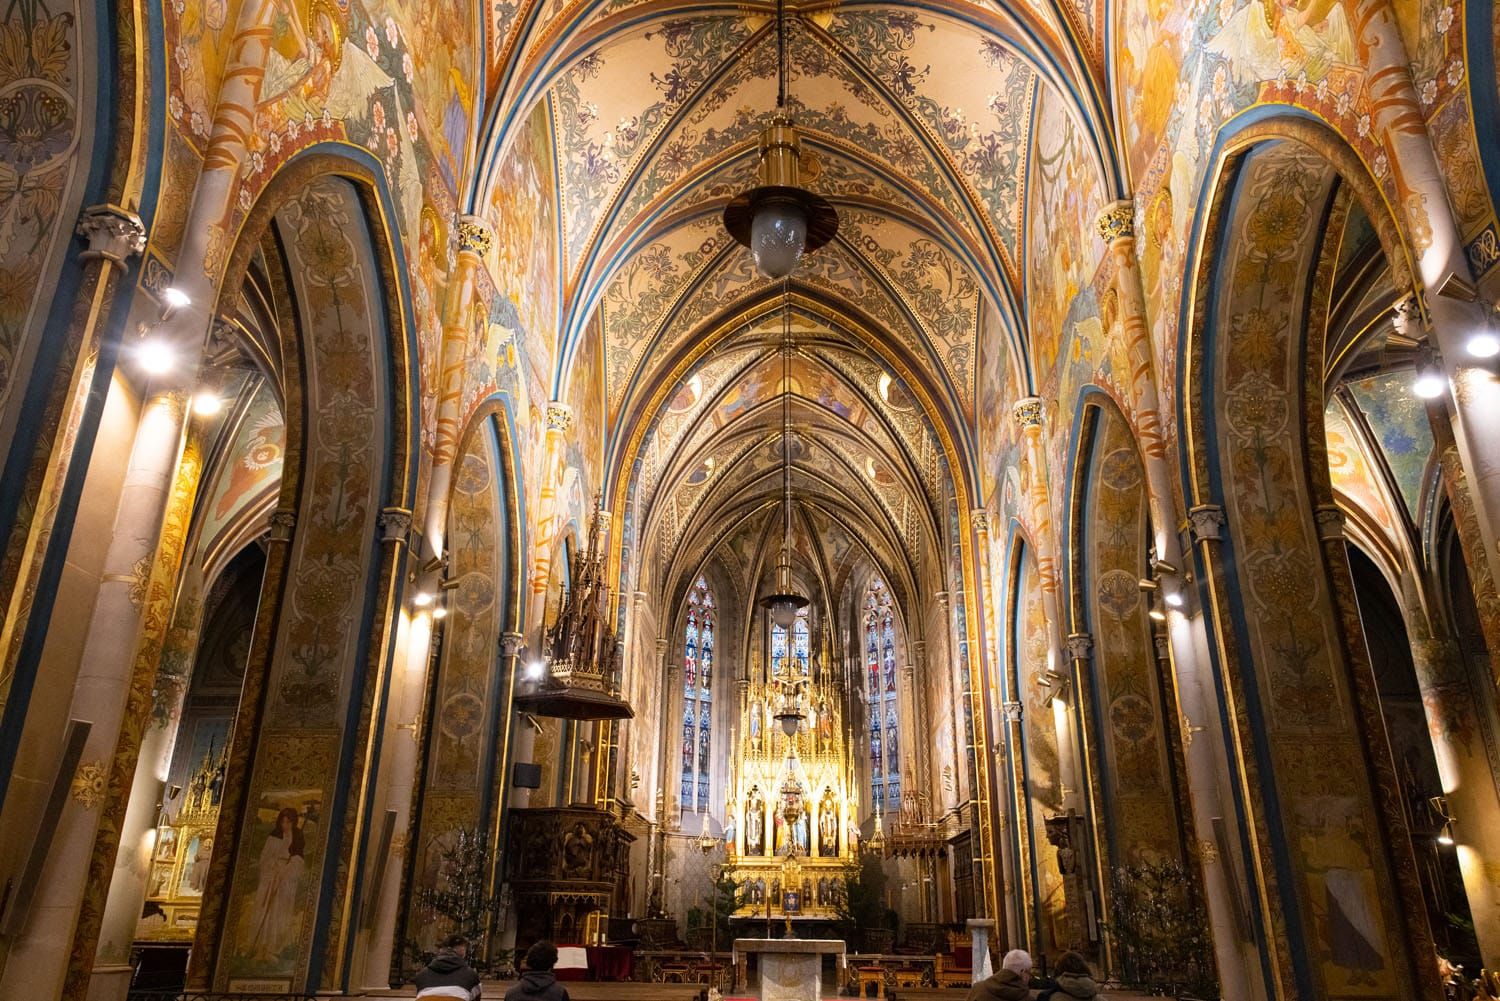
{"x": 779, "y": 220}
{"x": 784, "y": 603}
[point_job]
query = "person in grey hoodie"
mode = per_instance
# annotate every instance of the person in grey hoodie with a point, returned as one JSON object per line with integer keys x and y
{"x": 1072, "y": 981}
{"x": 449, "y": 975}
{"x": 1012, "y": 982}
{"x": 539, "y": 983}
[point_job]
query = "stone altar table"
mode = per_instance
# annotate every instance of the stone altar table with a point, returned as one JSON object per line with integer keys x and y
{"x": 791, "y": 969}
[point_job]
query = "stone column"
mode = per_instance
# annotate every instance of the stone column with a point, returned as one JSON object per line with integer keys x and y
{"x": 1046, "y": 542}
{"x": 1444, "y": 280}
{"x": 100, "y": 964}
{"x": 113, "y": 235}
{"x": 38, "y": 958}
{"x": 403, "y": 737}
{"x": 1209, "y": 794}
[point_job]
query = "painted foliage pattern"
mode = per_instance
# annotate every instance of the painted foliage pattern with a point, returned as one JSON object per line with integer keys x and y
{"x": 1143, "y": 813}
{"x": 315, "y": 663}
{"x": 40, "y": 78}
{"x": 1288, "y": 609}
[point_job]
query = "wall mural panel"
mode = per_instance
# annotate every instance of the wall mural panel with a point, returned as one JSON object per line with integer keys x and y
{"x": 318, "y": 660}
{"x": 1306, "y": 715}
{"x": 253, "y": 469}
{"x": 462, "y": 745}
{"x": 1043, "y": 766}
{"x": 1141, "y": 806}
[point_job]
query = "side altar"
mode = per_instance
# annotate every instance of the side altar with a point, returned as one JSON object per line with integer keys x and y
{"x": 792, "y": 834}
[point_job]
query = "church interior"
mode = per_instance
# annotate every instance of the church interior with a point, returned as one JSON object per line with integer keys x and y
{"x": 911, "y": 480}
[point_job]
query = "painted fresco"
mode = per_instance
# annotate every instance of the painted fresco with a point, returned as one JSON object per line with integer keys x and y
{"x": 1143, "y": 819}
{"x": 317, "y": 654}
{"x": 1063, "y": 248}
{"x": 1398, "y": 419}
{"x": 44, "y": 150}
{"x": 1305, "y": 706}
{"x": 253, "y": 469}
{"x": 1350, "y": 470}
{"x": 463, "y": 737}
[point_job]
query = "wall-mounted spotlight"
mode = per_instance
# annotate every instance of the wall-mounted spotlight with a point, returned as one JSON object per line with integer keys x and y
{"x": 1429, "y": 382}
{"x": 155, "y": 356}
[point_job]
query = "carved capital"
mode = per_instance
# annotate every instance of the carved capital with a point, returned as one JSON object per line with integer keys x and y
{"x": 980, "y": 519}
{"x": 510, "y": 644}
{"x": 1163, "y": 646}
{"x": 1208, "y": 851}
{"x": 1207, "y": 522}
{"x": 283, "y": 521}
{"x": 114, "y": 234}
{"x": 559, "y": 417}
{"x": 395, "y": 523}
{"x": 1011, "y": 711}
{"x": 1406, "y": 317}
{"x": 1330, "y": 522}
{"x": 474, "y": 235}
{"x": 1080, "y": 646}
{"x": 1027, "y": 412}
{"x": 1116, "y": 221}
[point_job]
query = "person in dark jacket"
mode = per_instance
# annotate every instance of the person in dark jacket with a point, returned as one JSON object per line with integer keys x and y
{"x": 449, "y": 975}
{"x": 1010, "y": 983}
{"x": 1072, "y": 981}
{"x": 539, "y": 983}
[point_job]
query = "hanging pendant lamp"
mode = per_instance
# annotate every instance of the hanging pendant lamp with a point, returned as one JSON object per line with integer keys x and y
{"x": 779, "y": 220}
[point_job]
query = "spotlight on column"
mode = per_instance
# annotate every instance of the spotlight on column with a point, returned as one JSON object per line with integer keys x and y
{"x": 175, "y": 298}
{"x": 1429, "y": 383}
{"x": 207, "y": 404}
{"x": 1174, "y": 598}
{"x": 422, "y": 599}
{"x": 155, "y": 357}
{"x": 1483, "y": 344}
{"x": 535, "y": 670}
{"x": 1157, "y": 615}
{"x": 440, "y": 612}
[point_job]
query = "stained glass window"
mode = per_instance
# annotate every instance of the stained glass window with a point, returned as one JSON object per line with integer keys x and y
{"x": 801, "y": 644}
{"x": 697, "y": 697}
{"x": 880, "y": 694}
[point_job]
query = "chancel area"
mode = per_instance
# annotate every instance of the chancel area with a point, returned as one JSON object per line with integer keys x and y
{"x": 782, "y": 499}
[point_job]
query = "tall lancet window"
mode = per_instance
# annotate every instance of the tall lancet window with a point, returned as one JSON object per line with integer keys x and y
{"x": 697, "y": 696}
{"x": 880, "y": 692}
{"x": 800, "y": 647}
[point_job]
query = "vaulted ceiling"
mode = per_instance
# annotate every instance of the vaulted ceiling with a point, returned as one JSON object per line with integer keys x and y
{"x": 919, "y": 120}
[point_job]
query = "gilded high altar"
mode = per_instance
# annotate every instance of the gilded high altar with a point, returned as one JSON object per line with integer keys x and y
{"x": 816, "y": 767}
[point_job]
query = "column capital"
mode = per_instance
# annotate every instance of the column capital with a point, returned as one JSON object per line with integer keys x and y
{"x": 980, "y": 519}
{"x": 1207, "y": 522}
{"x": 510, "y": 643}
{"x": 114, "y": 234}
{"x": 474, "y": 236}
{"x": 1080, "y": 646}
{"x": 1116, "y": 221}
{"x": 283, "y": 521}
{"x": 1011, "y": 711}
{"x": 559, "y": 416}
{"x": 1027, "y": 412}
{"x": 395, "y": 524}
{"x": 1330, "y": 520}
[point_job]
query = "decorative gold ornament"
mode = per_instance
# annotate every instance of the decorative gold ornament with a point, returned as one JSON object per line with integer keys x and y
{"x": 89, "y": 783}
{"x": 1028, "y": 412}
{"x": 474, "y": 236}
{"x": 1116, "y": 221}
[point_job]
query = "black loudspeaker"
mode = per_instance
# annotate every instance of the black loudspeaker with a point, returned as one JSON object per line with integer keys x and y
{"x": 526, "y": 775}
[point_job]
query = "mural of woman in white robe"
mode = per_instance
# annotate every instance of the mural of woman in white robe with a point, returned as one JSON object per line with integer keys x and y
{"x": 273, "y": 922}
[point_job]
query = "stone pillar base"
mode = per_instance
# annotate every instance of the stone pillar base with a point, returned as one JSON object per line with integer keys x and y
{"x": 110, "y": 983}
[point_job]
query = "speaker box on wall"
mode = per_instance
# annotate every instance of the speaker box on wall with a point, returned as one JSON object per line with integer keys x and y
{"x": 22, "y": 887}
{"x": 527, "y": 775}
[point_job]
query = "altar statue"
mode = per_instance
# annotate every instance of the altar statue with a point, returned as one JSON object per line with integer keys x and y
{"x": 755, "y": 818}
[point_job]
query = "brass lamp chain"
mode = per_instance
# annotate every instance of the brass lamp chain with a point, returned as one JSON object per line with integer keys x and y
{"x": 786, "y": 424}
{"x": 780, "y": 54}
